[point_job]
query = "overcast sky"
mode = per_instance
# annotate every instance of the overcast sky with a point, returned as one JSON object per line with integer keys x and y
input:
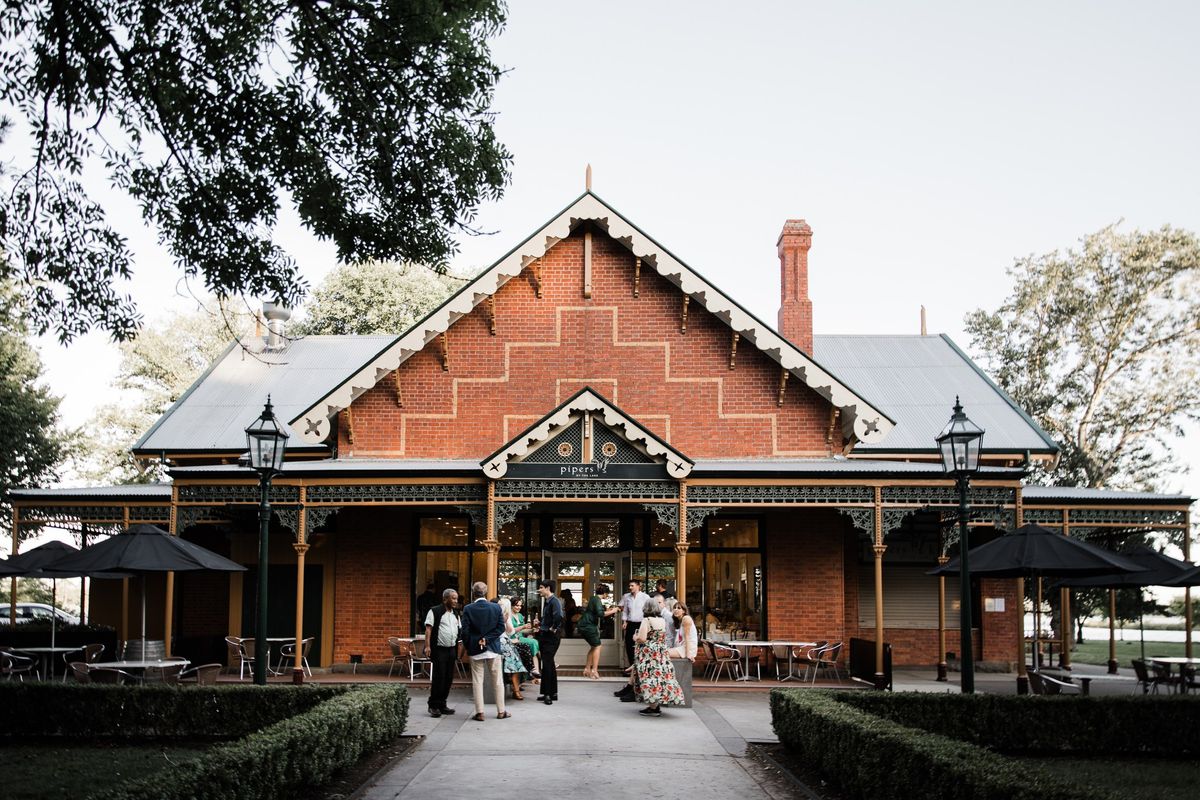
{"x": 927, "y": 145}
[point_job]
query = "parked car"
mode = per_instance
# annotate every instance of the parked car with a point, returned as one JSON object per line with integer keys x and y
{"x": 37, "y": 612}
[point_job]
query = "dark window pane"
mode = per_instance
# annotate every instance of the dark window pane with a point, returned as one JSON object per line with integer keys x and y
{"x": 639, "y": 534}
{"x": 444, "y": 532}
{"x": 568, "y": 533}
{"x": 662, "y": 536}
{"x": 732, "y": 533}
{"x": 512, "y": 535}
{"x": 604, "y": 533}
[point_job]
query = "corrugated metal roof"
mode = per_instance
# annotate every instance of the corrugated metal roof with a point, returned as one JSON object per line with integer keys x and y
{"x": 838, "y": 465}
{"x": 343, "y": 465}
{"x": 138, "y": 490}
{"x": 914, "y": 380}
{"x": 214, "y": 412}
{"x": 1034, "y": 494}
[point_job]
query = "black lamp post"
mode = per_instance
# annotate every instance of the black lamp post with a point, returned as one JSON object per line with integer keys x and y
{"x": 960, "y": 442}
{"x": 267, "y": 439}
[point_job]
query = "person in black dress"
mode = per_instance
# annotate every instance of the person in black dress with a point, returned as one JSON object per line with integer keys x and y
{"x": 549, "y": 634}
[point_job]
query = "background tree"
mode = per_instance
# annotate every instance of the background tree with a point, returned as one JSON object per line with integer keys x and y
{"x": 375, "y": 297}
{"x": 1101, "y": 345}
{"x": 32, "y": 445}
{"x": 369, "y": 117}
{"x": 156, "y": 369}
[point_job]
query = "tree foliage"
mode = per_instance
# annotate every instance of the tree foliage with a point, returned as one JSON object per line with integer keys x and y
{"x": 369, "y": 116}
{"x": 32, "y": 445}
{"x": 1101, "y": 345}
{"x": 375, "y": 297}
{"x": 156, "y": 369}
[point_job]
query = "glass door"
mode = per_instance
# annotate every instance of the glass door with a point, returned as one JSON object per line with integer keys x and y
{"x": 577, "y": 576}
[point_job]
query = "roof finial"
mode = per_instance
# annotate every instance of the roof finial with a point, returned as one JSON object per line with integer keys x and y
{"x": 587, "y": 180}
{"x": 924, "y": 332}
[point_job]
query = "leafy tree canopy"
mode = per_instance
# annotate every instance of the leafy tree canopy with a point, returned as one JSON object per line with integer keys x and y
{"x": 31, "y": 444}
{"x": 375, "y": 297}
{"x": 1101, "y": 345}
{"x": 370, "y": 116}
{"x": 156, "y": 369}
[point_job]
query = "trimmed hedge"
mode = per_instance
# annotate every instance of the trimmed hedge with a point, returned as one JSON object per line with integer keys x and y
{"x": 78, "y": 711}
{"x": 868, "y": 756}
{"x": 305, "y": 750}
{"x": 1047, "y": 725}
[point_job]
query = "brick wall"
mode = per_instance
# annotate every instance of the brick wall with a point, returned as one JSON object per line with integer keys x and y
{"x": 632, "y": 350}
{"x": 373, "y": 586}
{"x": 806, "y": 588}
{"x": 206, "y": 612}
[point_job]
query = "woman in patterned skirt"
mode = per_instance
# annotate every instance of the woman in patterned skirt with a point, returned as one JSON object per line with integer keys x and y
{"x": 511, "y": 661}
{"x": 656, "y": 684}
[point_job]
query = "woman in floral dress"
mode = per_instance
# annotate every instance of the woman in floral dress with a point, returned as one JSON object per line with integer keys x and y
{"x": 511, "y": 663}
{"x": 656, "y": 684}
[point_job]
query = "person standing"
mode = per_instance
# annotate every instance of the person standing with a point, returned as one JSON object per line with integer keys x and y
{"x": 426, "y": 601}
{"x": 589, "y": 629}
{"x": 549, "y": 634}
{"x": 663, "y": 588}
{"x": 656, "y": 683}
{"x": 482, "y": 627}
{"x": 570, "y": 609}
{"x": 442, "y": 648}
{"x": 632, "y": 603}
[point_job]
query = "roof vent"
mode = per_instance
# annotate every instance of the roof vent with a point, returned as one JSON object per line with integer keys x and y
{"x": 276, "y": 314}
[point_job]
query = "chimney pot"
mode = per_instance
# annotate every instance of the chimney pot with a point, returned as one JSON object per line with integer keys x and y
{"x": 276, "y": 314}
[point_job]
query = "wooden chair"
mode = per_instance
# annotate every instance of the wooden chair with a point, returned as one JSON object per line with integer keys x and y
{"x": 240, "y": 654}
{"x": 203, "y": 675}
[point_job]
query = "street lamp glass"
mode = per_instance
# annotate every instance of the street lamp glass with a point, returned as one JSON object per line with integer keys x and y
{"x": 960, "y": 442}
{"x": 267, "y": 440}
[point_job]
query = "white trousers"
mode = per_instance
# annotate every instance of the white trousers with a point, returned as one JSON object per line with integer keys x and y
{"x": 494, "y": 667}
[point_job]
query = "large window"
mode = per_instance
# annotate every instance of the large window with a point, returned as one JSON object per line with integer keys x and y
{"x": 732, "y": 602}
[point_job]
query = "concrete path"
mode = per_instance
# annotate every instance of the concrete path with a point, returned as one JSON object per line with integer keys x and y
{"x": 589, "y": 743}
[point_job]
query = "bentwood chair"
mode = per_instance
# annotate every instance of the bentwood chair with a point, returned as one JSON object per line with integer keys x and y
{"x": 13, "y": 665}
{"x": 240, "y": 655}
{"x": 79, "y": 671}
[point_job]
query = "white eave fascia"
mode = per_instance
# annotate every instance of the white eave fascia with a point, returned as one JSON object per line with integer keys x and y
{"x": 496, "y": 465}
{"x": 860, "y": 419}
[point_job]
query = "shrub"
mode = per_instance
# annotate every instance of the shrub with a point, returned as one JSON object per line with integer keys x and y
{"x": 1046, "y": 725}
{"x": 136, "y": 712}
{"x": 868, "y": 756}
{"x": 305, "y": 750}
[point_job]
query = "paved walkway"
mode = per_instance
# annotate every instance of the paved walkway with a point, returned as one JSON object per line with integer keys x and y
{"x": 588, "y": 743}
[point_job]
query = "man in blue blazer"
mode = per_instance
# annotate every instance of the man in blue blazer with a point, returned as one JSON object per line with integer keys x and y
{"x": 482, "y": 627}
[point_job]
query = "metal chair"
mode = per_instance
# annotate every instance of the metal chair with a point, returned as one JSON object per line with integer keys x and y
{"x": 728, "y": 660}
{"x": 810, "y": 657}
{"x": 1144, "y": 679}
{"x": 287, "y": 654}
{"x": 403, "y": 652}
{"x": 239, "y": 651}
{"x": 90, "y": 653}
{"x": 203, "y": 675}
{"x": 79, "y": 671}
{"x": 166, "y": 673}
{"x": 827, "y": 659}
{"x": 12, "y": 665}
{"x": 108, "y": 675}
{"x": 1052, "y": 685}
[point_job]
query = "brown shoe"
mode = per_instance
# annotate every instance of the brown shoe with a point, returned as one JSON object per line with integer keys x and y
{"x": 478, "y": 718}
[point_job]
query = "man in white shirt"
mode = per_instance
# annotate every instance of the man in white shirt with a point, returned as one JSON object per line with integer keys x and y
{"x": 632, "y": 603}
{"x": 441, "y": 647}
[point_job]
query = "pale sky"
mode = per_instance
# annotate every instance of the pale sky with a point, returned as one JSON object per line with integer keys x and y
{"x": 927, "y": 145}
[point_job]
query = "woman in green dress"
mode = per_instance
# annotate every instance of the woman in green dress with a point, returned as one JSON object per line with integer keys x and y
{"x": 589, "y": 628}
{"x": 521, "y": 630}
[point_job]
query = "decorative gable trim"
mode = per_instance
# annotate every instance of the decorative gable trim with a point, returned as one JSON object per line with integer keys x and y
{"x": 586, "y": 400}
{"x": 860, "y": 419}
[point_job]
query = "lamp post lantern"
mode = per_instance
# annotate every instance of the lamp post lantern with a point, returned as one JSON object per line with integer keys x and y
{"x": 960, "y": 442}
{"x": 267, "y": 439}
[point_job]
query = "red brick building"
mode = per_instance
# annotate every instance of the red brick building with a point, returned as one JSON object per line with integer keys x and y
{"x": 592, "y": 409}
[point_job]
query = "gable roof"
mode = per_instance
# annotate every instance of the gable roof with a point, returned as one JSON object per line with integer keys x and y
{"x": 860, "y": 418}
{"x": 586, "y": 399}
{"x": 916, "y": 378}
{"x": 214, "y": 412}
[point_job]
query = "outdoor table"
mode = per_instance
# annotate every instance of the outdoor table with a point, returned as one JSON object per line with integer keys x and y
{"x": 272, "y": 640}
{"x": 1183, "y": 661}
{"x": 749, "y": 645}
{"x": 789, "y": 645}
{"x": 138, "y": 664}
{"x": 1085, "y": 681}
{"x": 46, "y": 654}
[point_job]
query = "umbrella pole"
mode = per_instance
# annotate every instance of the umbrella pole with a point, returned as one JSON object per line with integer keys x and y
{"x": 143, "y": 615}
{"x": 53, "y": 617}
{"x": 1112, "y": 631}
{"x": 1142, "y": 629}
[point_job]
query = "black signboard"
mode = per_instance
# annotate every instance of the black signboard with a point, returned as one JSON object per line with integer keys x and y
{"x": 598, "y": 471}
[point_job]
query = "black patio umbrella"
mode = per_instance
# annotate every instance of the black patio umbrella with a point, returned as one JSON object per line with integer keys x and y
{"x": 143, "y": 549}
{"x": 1189, "y": 577}
{"x": 1157, "y": 570}
{"x": 1032, "y": 551}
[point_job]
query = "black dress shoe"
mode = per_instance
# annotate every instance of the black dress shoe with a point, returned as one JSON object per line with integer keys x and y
{"x": 548, "y": 701}
{"x": 542, "y": 697}
{"x": 554, "y": 697}
{"x": 626, "y": 689}
{"x": 433, "y": 712}
{"x": 628, "y": 698}
{"x": 446, "y": 710}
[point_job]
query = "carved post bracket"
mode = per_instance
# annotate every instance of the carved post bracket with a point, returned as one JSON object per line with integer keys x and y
{"x": 697, "y": 514}
{"x": 733, "y": 343}
{"x": 300, "y": 547}
{"x": 637, "y": 277}
{"x": 894, "y": 517}
{"x": 477, "y": 515}
{"x": 667, "y": 514}
{"x": 504, "y": 514}
{"x": 687, "y": 298}
{"x": 289, "y": 517}
{"x": 783, "y": 379}
{"x": 491, "y": 314}
{"x": 861, "y": 518}
{"x": 315, "y": 517}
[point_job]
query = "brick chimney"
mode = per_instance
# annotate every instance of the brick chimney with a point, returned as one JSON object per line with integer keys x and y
{"x": 795, "y": 309}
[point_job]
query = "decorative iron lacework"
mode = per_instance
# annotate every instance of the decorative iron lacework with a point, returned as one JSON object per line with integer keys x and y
{"x": 666, "y": 513}
{"x": 187, "y": 516}
{"x": 152, "y": 514}
{"x": 289, "y": 518}
{"x": 789, "y": 495}
{"x": 613, "y": 447}
{"x": 1046, "y": 517}
{"x": 236, "y": 493}
{"x": 861, "y": 518}
{"x": 613, "y": 490}
{"x": 1126, "y": 516}
{"x": 894, "y": 517}
{"x": 566, "y": 447}
{"x": 316, "y": 517}
{"x": 399, "y": 493}
{"x": 947, "y": 495}
{"x": 697, "y": 514}
{"x": 89, "y": 514}
{"x": 505, "y": 513}
{"x": 477, "y": 514}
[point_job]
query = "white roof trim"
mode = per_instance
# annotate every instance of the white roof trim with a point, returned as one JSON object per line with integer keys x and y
{"x": 496, "y": 466}
{"x": 859, "y": 417}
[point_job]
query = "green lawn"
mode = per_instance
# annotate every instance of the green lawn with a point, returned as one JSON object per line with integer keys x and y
{"x": 1095, "y": 651}
{"x": 1136, "y": 779}
{"x": 35, "y": 772}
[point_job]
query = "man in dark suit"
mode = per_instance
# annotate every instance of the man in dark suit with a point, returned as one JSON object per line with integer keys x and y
{"x": 549, "y": 635}
{"x": 482, "y": 627}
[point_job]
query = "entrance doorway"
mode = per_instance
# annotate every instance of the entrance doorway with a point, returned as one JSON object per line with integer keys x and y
{"x": 580, "y": 573}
